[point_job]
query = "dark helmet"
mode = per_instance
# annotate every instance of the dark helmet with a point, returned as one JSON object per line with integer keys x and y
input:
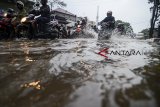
{"x": 10, "y": 10}
{"x": 20, "y": 5}
{"x": 109, "y": 13}
{"x": 44, "y": 2}
{"x": 82, "y": 19}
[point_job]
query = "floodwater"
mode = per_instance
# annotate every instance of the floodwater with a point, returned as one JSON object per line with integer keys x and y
{"x": 70, "y": 73}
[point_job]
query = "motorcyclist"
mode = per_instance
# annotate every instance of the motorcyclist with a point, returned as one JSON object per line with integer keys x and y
{"x": 64, "y": 30}
{"x": 77, "y": 23}
{"x": 10, "y": 13}
{"x": 84, "y": 23}
{"x": 109, "y": 19}
{"x": 95, "y": 28}
{"x": 21, "y": 13}
{"x": 45, "y": 15}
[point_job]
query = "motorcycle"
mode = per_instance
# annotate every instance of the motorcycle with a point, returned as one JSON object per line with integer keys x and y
{"x": 77, "y": 31}
{"x": 62, "y": 32}
{"x": 48, "y": 30}
{"x": 95, "y": 28}
{"x": 105, "y": 31}
{"x": 24, "y": 29}
{"x": 6, "y": 27}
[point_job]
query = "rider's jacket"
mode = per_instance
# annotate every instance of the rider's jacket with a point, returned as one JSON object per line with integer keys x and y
{"x": 108, "y": 19}
{"x": 83, "y": 22}
{"x": 22, "y": 13}
{"x": 44, "y": 11}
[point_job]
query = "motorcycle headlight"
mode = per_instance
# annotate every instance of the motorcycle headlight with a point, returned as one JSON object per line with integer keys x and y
{"x": 5, "y": 15}
{"x": 23, "y": 19}
{"x": 79, "y": 26}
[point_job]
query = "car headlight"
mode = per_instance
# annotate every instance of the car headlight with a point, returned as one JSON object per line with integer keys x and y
{"x": 5, "y": 15}
{"x": 23, "y": 19}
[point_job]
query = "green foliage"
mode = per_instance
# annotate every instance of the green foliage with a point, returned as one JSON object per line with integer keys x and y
{"x": 53, "y": 2}
{"x": 5, "y": 4}
{"x": 155, "y": 9}
{"x": 145, "y": 31}
{"x": 57, "y": 2}
{"x": 128, "y": 27}
{"x": 118, "y": 21}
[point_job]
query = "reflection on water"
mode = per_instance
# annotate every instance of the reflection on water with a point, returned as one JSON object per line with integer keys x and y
{"x": 70, "y": 73}
{"x": 25, "y": 48}
{"x": 32, "y": 84}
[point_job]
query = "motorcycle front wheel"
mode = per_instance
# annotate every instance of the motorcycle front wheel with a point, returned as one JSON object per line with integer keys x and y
{"x": 26, "y": 33}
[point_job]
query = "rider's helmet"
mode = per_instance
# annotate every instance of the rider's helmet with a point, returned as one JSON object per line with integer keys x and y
{"x": 78, "y": 22}
{"x": 109, "y": 13}
{"x": 20, "y": 5}
{"x": 83, "y": 20}
{"x": 10, "y": 12}
{"x": 44, "y": 2}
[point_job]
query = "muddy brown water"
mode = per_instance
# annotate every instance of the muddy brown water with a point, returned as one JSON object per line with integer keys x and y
{"x": 70, "y": 73}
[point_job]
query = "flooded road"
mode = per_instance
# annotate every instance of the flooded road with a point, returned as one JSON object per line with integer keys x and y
{"x": 71, "y": 73}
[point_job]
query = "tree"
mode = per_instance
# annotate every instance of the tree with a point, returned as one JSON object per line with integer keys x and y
{"x": 5, "y": 4}
{"x": 57, "y": 2}
{"x": 128, "y": 27}
{"x": 145, "y": 32}
{"x": 53, "y": 2}
{"x": 155, "y": 15}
